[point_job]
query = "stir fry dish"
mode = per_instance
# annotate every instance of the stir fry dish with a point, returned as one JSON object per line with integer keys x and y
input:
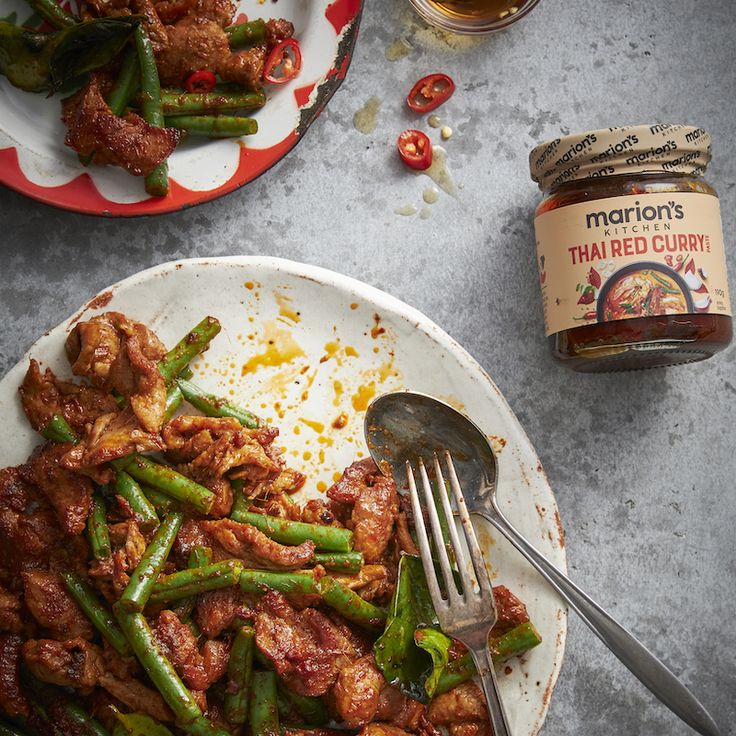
{"x": 644, "y": 293}
{"x": 119, "y": 53}
{"x": 187, "y": 591}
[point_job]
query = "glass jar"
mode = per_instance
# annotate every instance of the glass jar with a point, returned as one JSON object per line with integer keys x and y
{"x": 472, "y": 17}
{"x": 630, "y": 249}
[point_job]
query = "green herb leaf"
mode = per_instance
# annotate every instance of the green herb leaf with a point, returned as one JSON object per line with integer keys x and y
{"x": 414, "y": 667}
{"x": 88, "y": 46}
{"x": 24, "y": 57}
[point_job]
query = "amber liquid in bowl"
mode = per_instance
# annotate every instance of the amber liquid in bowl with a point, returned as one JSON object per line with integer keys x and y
{"x": 479, "y": 9}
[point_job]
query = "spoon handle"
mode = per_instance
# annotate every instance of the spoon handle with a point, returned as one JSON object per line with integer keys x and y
{"x": 640, "y": 661}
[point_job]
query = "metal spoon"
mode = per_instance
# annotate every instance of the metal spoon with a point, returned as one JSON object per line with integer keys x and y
{"x": 405, "y": 425}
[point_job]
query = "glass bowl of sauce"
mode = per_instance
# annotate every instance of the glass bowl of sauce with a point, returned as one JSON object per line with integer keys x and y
{"x": 472, "y": 17}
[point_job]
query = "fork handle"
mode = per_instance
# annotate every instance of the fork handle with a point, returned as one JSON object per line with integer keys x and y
{"x": 651, "y": 671}
{"x": 487, "y": 675}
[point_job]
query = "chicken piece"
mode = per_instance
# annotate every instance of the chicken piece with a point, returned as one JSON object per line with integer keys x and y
{"x": 463, "y": 703}
{"x": 128, "y": 141}
{"x": 471, "y": 728}
{"x": 277, "y": 30}
{"x": 316, "y": 511}
{"x": 128, "y": 544}
{"x": 219, "y": 11}
{"x": 281, "y": 506}
{"x": 136, "y": 696}
{"x": 218, "y": 609}
{"x": 179, "y": 645}
{"x": 399, "y": 710}
{"x": 357, "y": 692}
{"x": 117, "y": 353}
{"x": 12, "y": 700}
{"x": 43, "y": 395}
{"x": 368, "y": 574}
{"x": 192, "y": 44}
{"x": 375, "y": 506}
{"x": 304, "y": 648}
{"x": 403, "y": 536}
{"x": 74, "y": 663}
{"x": 511, "y": 611}
{"x": 112, "y": 436}
{"x": 248, "y": 543}
{"x": 151, "y": 22}
{"x": 51, "y": 605}
{"x": 70, "y": 494}
{"x": 10, "y": 612}
{"x": 245, "y": 67}
{"x": 105, "y": 8}
{"x": 382, "y": 729}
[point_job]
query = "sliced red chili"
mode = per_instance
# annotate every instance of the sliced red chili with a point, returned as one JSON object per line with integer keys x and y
{"x": 285, "y": 57}
{"x": 430, "y": 92}
{"x": 415, "y": 149}
{"x": 201, "y": 81}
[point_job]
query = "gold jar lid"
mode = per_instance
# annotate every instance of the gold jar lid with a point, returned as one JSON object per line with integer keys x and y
{"x": 633, "y": 149}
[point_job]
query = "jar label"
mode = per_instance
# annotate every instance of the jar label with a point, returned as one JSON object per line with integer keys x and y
{"x": 631, "y": 256}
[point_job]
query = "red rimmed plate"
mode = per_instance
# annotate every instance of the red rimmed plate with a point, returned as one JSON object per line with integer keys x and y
{"x": 34, "y": 160}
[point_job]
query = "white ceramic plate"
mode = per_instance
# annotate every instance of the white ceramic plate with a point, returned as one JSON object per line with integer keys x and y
{"x": 301, "y": 345}
{"x": 35, "y": 161}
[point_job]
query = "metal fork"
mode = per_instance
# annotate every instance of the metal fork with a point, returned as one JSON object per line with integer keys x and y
{"x": 470, "y": 613}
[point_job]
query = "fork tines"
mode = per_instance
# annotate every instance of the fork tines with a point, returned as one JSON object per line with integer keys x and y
{"x": 476, "y": 593}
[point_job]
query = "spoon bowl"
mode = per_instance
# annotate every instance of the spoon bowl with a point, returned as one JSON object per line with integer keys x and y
{"x": 402, "y": 426}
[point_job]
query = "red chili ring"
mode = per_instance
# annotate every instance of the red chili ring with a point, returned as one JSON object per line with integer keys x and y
{"x": 430, "y": 92}
{"x": 415, "y": 149}
{"x": 201, "y": 81}
{"x": 278, "y": 57}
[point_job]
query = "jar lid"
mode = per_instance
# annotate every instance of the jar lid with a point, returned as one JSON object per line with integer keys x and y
{"x": 633, "y": 149}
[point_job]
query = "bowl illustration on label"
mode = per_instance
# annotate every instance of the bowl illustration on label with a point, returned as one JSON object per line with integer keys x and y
{"x": 645, "y": 289}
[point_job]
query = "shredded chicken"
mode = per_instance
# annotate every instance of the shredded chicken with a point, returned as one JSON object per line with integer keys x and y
{"x": 463, "y": 703}
{"x": 12, "y": 700}
{"x": 375, "y": 506}
{"x": 130, "y": 142}
{"x": 54, "y": 609}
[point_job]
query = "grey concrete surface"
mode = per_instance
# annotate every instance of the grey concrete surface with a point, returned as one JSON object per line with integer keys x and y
{"x": 643, "y": 464}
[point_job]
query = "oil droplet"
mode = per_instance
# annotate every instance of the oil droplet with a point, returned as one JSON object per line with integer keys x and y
{"x": 354, "y": 305}
{"x": 279, "y": 347}
{"x": 337, "y": 387}
{"x": 297, "y": 430}
{"x": 366, "y": 119}
{"x": 326, "y": 441}
{"x": 431, "y": 195}
{"x": 439, "y": 173}
{"x": 285, "y": 308}
{"x": 434, "y": 121}
{"x": 336, "y": 476}
{"x": 407, "y": 209}
{"x": 307, "y": 455}
{"x": 377, "y": 330}
{"x": 318, "y": 427}
{"x": 362, "y": 397}
{"x": 340, "y": 421}
{"x": 351, "y": 352}
{"x": 331, "y": 351}
{"x": 321, "y": 486}
{"x": 249, "y": 285}
{"x": 425, "y": 213}
{"x": 398, "y": 49}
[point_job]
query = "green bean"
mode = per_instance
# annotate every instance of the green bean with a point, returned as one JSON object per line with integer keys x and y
{"x": 186, "y": 583}
{"x": 244, "y": 34}
{"x": 136, "y": 594}
{"x": 188, "y": 348}
{"x": 157, "y": 182}
{"x": 264, "y": 714}
{"x": 7, "y": 729}
{"x": 168, "y": 481}
{"x": 327, "y": 538}
{"x": 57, "y": 429}
{"x": 241, "y": 504}
{"x": 163, "y": 675}
{"x": 125, "y": 85}
{"x": 214, "y": 126}
{"x": 97, "y": 531}
{"x": 215, "y": 102}
{"x": 53, "y": 13}
{"x": 520, "y": 639}
{"x": 100, "y": 617}
{"x": 161, "y": 502}
{"x": 345, "y": 562}
{"x": 126, "y": 487}
{"x": 261, "y": 581}
{"x": 349, "y": 604}
{"x": 198, "y": 557}
{"x": 212, "y": 406}
{"x": 239, "y": 675}
{"x": 174, "y": 397}
{"x": 311, "y": 711}
{"x": 88, "y": 726}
